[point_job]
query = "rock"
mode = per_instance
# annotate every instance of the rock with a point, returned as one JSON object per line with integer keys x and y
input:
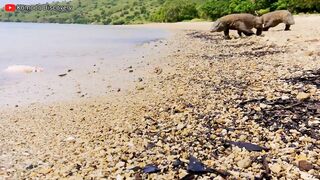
{"x": 303, "y": 96}
{"x": 249, "y": 146}
{"x": 130, "y": 70}
{"x": 306, "y": 176}
{"x": 120, "y": 164}
{"x": 62, "y": 75}
{"x": 119, "y": 177}
{"x": 275, "y": 168}
{"x": 195, "y": 166}
{"x": 70, "y": 139}
{"x": 30, "y": 166}
{"x": 263, "y": 106}
{"x": 177, "y": 163}
{"x": 139, "y": 88}
{"x": 45, "y": 170}
{"x": 157, "y": 70}
{"x": 180, "y": 126}
{"x": 305, "y": 165}
{"x": 140, "y": 79}
{"x": 285, "y": 97}
{"x": 151, "y": 169}
{"x": 244, "y": 163}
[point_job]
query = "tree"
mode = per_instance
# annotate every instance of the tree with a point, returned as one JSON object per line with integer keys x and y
{"x": 176, "y": 10}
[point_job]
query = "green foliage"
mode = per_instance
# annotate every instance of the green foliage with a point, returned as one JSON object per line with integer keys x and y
{"x": 92, "y": 11}
{"x": 214, "y": 9}
{"x": 142, "y": 11}
{"x": 299, "y": 6}
{"x": 176, "y": 10}
{"x": 263, "y": 11}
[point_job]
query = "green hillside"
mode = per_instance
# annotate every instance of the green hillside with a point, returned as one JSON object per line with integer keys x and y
{"x": 142, "y": 11}
{"x": 92, "y": 11}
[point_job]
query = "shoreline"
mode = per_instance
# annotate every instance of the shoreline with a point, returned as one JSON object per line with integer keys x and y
{"x": 189, "y": 109}
{"x": 92, "y": 73}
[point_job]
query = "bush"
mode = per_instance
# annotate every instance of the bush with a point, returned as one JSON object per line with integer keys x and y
{"x": 176, "y": 10}
{"x": 299, "y": 6}
{"x": 214, "y": 9}
{"x": 107, "y": 21}
{"x": 118, "y": 22}
{"x": 263, "y": 11}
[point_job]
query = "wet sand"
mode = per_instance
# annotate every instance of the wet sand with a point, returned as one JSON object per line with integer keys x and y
{"x": 198, "y": 100}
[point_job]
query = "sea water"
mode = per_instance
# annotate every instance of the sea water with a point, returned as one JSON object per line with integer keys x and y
{"x": 59, "y": 47}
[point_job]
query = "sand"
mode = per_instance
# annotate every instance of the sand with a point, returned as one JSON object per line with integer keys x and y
{"x": 194, "y": 102}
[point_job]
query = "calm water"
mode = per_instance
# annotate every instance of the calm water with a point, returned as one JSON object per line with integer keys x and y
{"x": 57, "y": 47}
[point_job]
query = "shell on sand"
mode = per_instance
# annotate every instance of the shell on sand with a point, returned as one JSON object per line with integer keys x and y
{"x": 22, "y": 69}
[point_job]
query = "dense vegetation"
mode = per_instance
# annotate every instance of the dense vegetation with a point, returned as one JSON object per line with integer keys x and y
{"x": 92, "y": 11}
{"x": 141, "y": 11}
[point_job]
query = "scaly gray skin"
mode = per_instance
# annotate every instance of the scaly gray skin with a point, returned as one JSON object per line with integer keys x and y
{"x": 274, "y": 18}
{"x": 243, "y": 23}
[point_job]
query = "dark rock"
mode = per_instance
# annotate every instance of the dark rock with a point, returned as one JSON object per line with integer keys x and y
{"x": 177, "y": 163}
{"x": 31, "y": 166}
{"x": 62, "y": 75}
{"x": 136, "y": 168}
{"x": 248, "y": 146}
{"x": 151, "y": 169}
{"x": 188, "y": 177}
{"x": 195, "y": 166}
{"x": 151, "y": 145}
{"x": 305, "y": 165}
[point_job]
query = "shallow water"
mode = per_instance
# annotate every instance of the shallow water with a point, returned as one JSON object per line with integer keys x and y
{"x": 57, "y": 48}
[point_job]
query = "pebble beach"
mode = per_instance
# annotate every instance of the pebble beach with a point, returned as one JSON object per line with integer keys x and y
{"x": 209, "y": 108}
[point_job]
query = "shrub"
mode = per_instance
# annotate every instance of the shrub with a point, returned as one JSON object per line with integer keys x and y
{"x": 176, "y": 10}
{"x": 214, "y": 9}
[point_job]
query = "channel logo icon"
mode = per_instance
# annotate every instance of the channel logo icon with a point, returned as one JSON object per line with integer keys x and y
{"x": 9, "y": 7}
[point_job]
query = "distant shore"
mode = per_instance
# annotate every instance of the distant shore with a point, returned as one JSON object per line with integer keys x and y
{"x": 198, "y": 99}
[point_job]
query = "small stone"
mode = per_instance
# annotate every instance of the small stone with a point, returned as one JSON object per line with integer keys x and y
{"x": 140, "y": 79}
{"x": 276, "y": 168}
{"x": 244, "y": 163}
{"x": 224, "y": 132}
{"x": 180, "y": 126}
{"x": 285, "y": 97}
{"x": 30, "y": 166}
{"x": 140, "y": 88}
{"x": 45, "y": 170}
{"x": 263, "y": 106}
{"x": 157, "y": 70}
{"x": 130, "y": 70}
{"x": 303, "y": 96}
{"x": 120, "y": 164}
{"x": 305, "y": 165}
{"x": 70, "y": 139}
{"x": 306, "y": 176}
{"x": 119, "y": 177}
{"x": 308, "y": 53}
{"x": 242, "y": 137}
